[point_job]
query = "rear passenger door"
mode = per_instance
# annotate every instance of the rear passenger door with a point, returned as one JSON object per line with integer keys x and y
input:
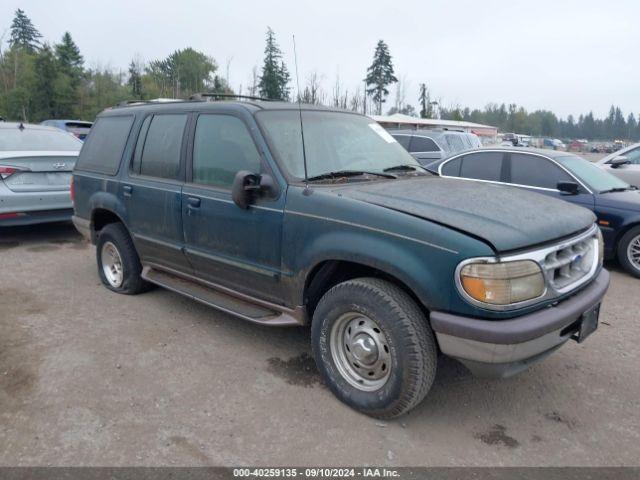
{"x": 152, "y": 190}
{"x": 486, "y": 166}
{"x": 227, "y": 245}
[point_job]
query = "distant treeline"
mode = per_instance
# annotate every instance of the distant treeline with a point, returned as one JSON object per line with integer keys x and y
{"x": 39, "y": 80}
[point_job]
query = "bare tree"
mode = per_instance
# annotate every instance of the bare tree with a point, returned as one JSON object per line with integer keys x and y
{"x": 339, "y": 98}
{"x": 253, "y": 88}
{"x": 401, "y": 93}
{"x": 313, "y": 93}
{"x": 356, "y": 101}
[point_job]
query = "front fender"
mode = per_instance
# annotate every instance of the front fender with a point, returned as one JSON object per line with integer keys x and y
{"x": 405, "y": 264}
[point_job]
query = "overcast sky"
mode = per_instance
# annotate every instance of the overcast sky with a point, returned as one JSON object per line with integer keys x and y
{"x": 566, "y": 56}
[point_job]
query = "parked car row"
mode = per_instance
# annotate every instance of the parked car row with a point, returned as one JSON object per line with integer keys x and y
{"x": 427, "y": 145}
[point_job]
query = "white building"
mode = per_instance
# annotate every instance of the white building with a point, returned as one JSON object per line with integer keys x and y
{"x": 487, "y": 133}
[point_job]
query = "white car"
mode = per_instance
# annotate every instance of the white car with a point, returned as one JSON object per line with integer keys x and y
{"x": 624, "y": 164}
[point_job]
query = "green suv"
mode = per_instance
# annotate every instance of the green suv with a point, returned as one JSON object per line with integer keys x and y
{"x": 282, "y": 216}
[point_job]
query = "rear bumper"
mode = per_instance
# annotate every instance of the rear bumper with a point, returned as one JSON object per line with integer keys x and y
{"x": 25, "y": 208}
{"x": 500, "y": 348}
{"x": 35, "y": 217}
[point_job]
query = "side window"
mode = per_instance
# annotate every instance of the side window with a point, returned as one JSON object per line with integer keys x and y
{"x": 137, "y": 155}
{"x": 452, "y": 167}
{"x": 455, "y": 143}
{"x": 162, "y": 145}
{"x": 403, "y": 140}
{"x": 536, "y": 171}
{"x": 105, "y": 144}
{"x": 633, "y": 156}
{"x": 221, "y": 148}
{"x": 423, "y": 144}
{"x": 482, "y": 166}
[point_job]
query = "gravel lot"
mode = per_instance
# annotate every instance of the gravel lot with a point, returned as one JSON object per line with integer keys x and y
{"x": 89, "y": 377}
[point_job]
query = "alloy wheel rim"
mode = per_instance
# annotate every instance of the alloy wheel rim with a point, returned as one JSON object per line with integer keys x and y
{"x": 360, "y": 351}
{"x": 112, "y": 264}
{"x": 633, "y": 252}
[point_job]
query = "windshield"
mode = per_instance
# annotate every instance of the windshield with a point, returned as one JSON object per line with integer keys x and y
{"x": 596, "y": 178}
{"x": 37, "y": 139}
{"x": 333, "y": 142}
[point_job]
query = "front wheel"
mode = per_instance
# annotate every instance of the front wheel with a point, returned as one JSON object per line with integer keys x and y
{"x": 629, "y": 251}
{"x": 373, "y": 347}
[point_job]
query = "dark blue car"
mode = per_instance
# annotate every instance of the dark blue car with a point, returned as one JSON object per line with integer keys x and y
{"x": 566, "y": 176}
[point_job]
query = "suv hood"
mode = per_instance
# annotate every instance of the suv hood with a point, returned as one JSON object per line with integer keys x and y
{"x": 507, "y": 218}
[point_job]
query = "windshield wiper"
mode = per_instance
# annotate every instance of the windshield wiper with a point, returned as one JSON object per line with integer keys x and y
{"x": 617, "y": 189}
{"x": 347, "y": 173}
{"x": 405, "y": 168}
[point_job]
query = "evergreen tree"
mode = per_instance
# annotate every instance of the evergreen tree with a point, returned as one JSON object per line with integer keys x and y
{"x": 44, "y": 93}
{"x": 135, "y": 79}
{"x": 425, "y": 102}
{"x": 70, "y": 61}
{"x": 380, "y": 75}
{"x": 274, "y": 81}
{"x": 631, "y": 126}
{"x": 23, "y": 33}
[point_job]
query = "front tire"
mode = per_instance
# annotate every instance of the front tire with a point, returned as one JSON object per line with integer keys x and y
{"x": 373, "y": 347}
{"x": 118, "y": 262}
{"x": 629, "y": 251}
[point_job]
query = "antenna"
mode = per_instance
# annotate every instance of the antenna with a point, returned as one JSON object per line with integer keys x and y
{"x": 304, "y": 152}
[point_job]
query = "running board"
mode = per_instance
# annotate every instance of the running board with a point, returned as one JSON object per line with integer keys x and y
{"x": 224, "y": 299}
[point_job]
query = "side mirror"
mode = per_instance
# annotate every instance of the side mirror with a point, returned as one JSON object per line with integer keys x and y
{"x": 617, "y": 162}
{"x": 246, "y": 187}
{"x": 568, "y": 188}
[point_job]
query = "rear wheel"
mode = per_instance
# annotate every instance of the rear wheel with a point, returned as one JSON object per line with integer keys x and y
{"x": 629, "y": 251}
{"x": 373, "y": 346}
{"x": 118, "y": 263}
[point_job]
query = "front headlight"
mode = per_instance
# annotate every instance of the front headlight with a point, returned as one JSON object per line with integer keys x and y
{"x": 600, "y": 247}
{"x": 502, "y": 283}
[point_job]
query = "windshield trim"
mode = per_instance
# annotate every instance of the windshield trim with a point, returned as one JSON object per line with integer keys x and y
{"x": 273, "y": 151}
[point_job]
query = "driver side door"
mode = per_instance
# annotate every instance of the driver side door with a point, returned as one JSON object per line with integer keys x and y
{"x": 237, "y": 248}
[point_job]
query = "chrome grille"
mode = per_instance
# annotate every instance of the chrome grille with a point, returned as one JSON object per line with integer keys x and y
{"x": 570, "y": 263}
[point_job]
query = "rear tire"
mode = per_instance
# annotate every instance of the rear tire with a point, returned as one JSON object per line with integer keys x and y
{"x": 373, "y": 347}
{"x": 118, "y": 262}
{"x": 629, "y": 251}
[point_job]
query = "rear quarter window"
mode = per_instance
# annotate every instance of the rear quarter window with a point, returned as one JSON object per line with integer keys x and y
{"x": 423, "y": 144}
{"x": 105, "y": 144}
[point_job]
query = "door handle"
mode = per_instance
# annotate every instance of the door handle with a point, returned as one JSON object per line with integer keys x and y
{"x": 127, "y": 189}
{"x": 194, "y": 202}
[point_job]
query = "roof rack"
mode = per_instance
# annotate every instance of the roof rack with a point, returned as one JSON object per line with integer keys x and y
{"x": 205, "y": 95}
{"x": 196, "y": 97}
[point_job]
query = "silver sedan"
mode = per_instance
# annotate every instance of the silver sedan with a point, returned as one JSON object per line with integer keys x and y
{"x": 624, "y": 164}
{"x": 35, "y": 173}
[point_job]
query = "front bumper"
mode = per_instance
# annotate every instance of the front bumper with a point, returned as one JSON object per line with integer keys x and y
{"x": 501, "y": 348}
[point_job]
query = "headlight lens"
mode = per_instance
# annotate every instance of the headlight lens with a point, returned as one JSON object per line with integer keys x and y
{"x": 600, "y": 247}
{"x": 503, "y": 283}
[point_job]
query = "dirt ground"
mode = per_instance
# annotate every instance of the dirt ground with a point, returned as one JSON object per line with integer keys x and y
{"x": 89, "y": 377}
